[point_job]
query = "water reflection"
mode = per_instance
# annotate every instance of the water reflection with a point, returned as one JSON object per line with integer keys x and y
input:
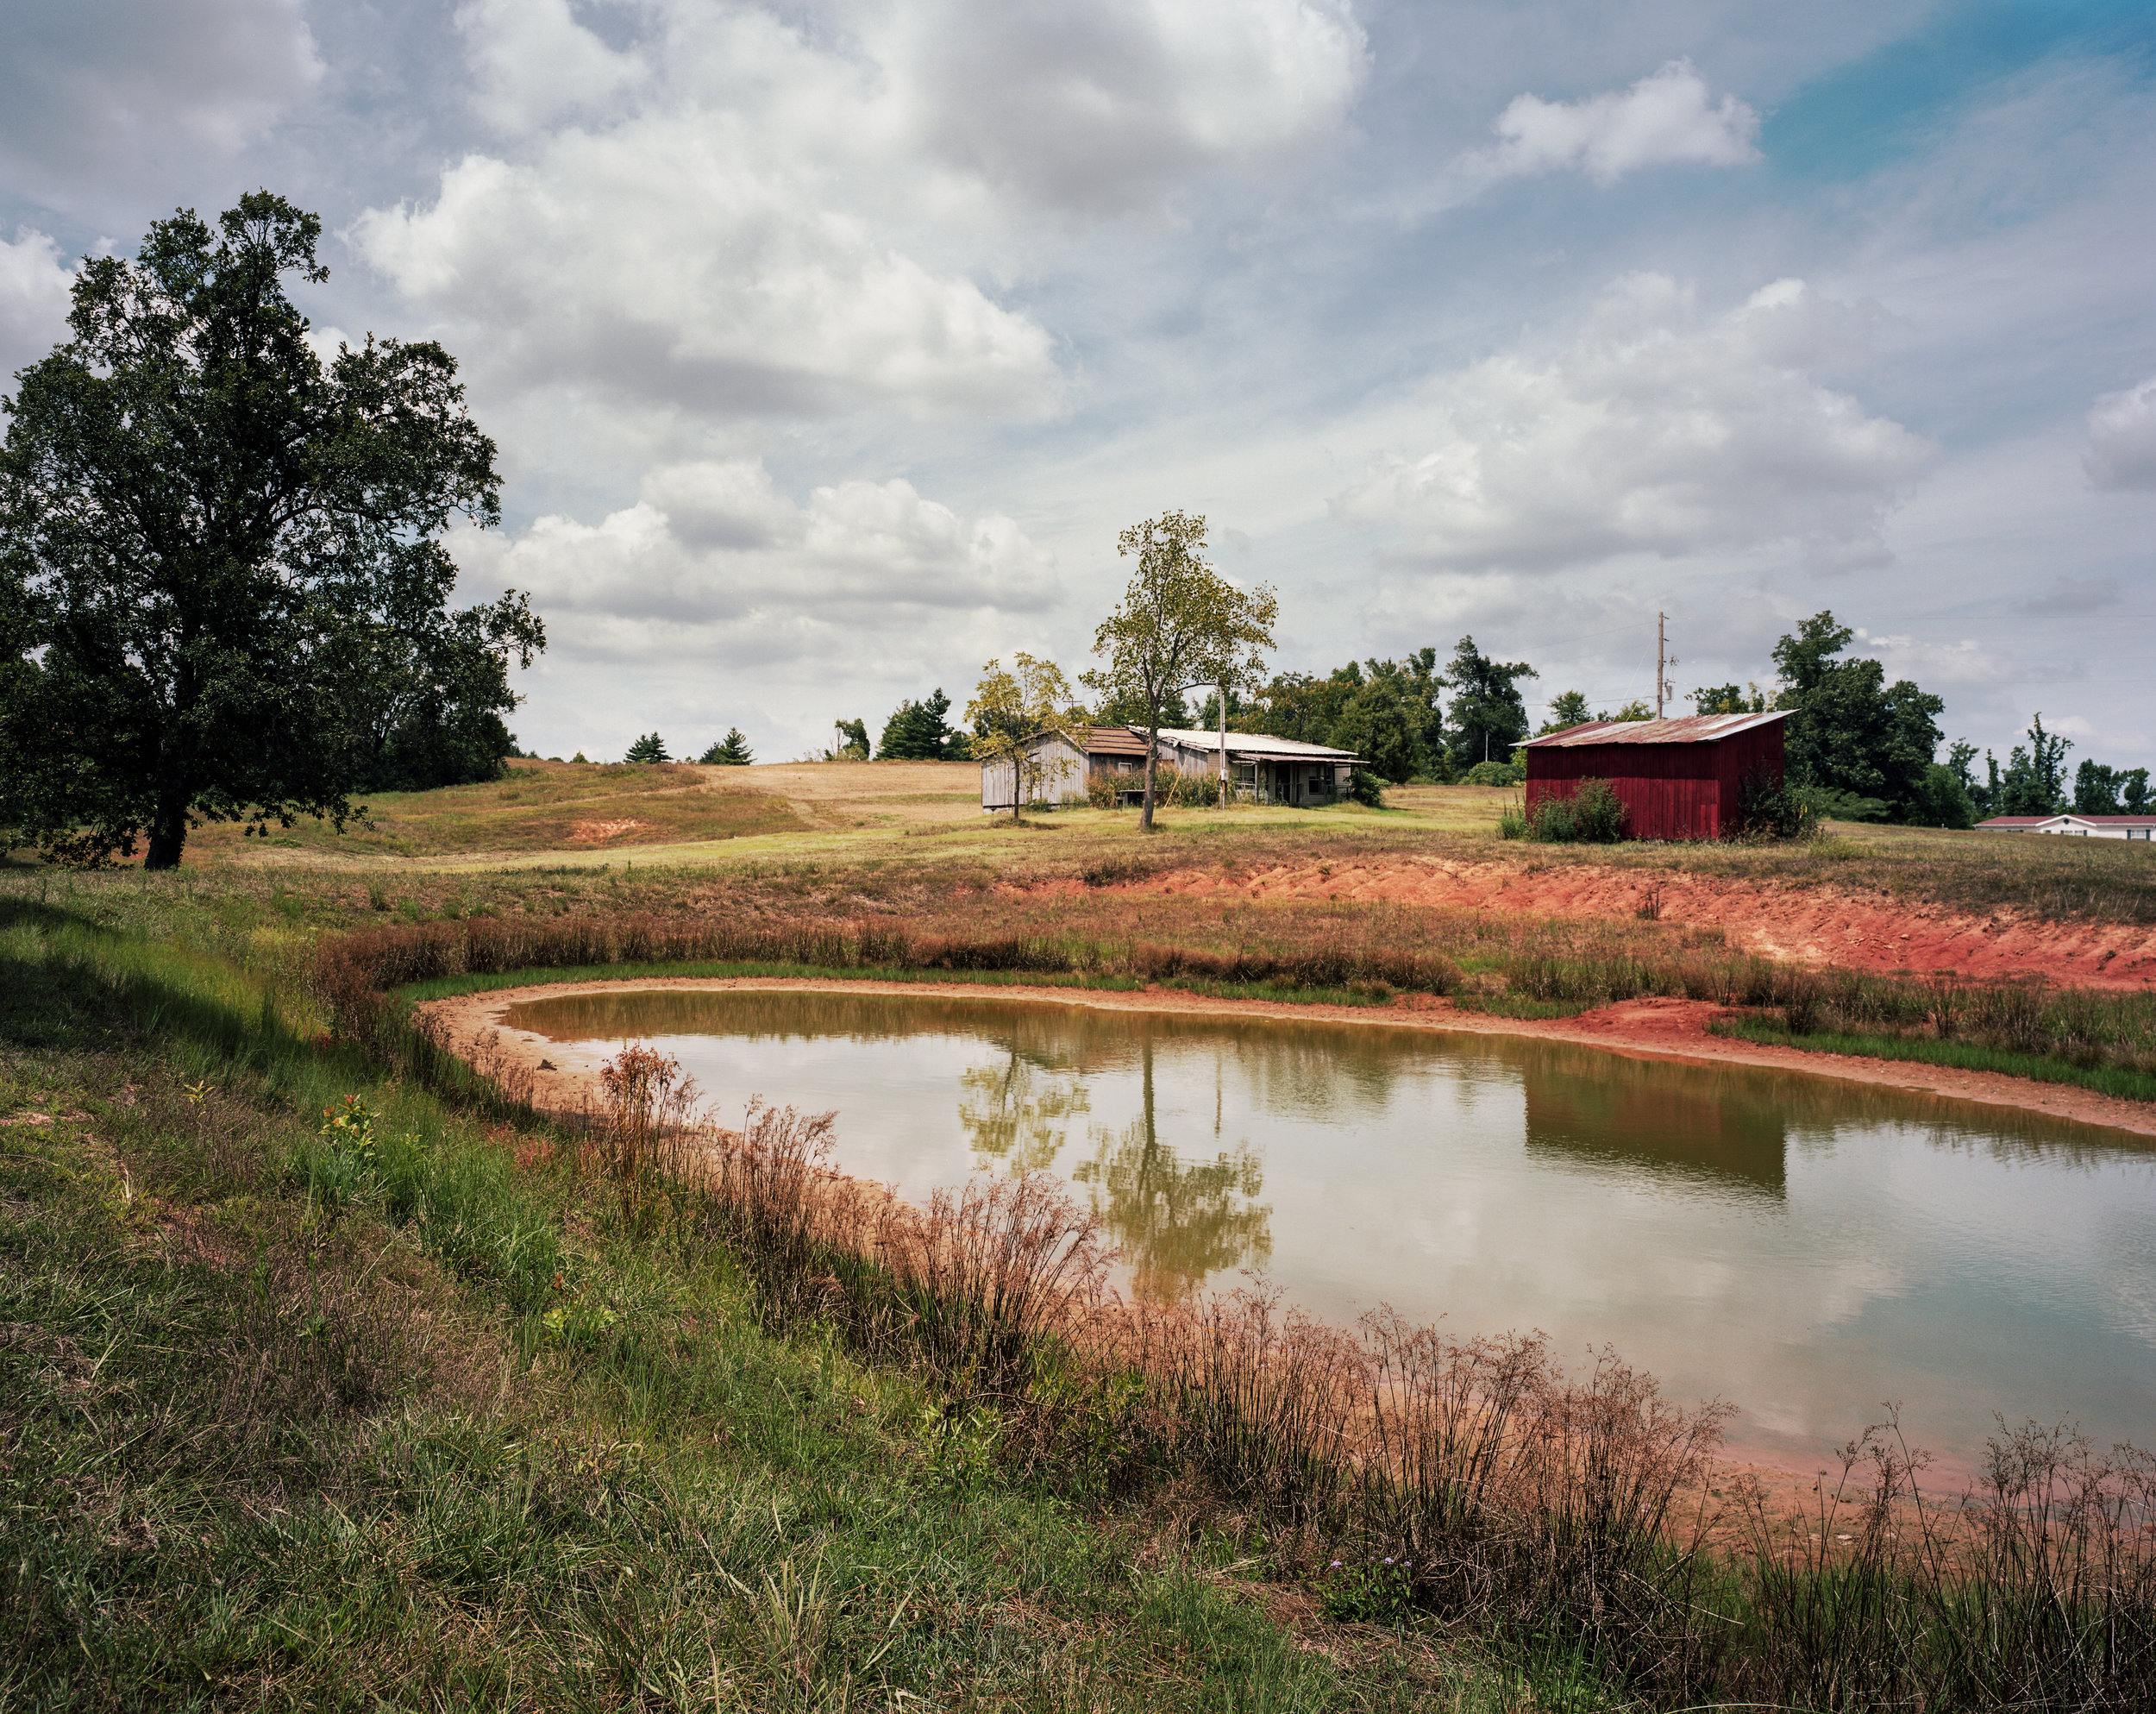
{"x": 1691, "y": 1122}
{"x": 1178, "y": 1219}
{"x": 1803, "y": 1246}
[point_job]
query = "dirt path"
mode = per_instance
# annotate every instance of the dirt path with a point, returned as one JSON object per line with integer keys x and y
{"x": 1647, "y": 1029}
{"x": 1813, "y": 924}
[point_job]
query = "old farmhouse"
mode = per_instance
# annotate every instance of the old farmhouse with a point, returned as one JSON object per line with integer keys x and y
{"x": 1260, "y": 769}
{"x": 1678, "y": 779}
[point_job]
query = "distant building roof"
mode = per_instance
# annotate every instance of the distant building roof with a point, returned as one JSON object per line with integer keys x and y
{"x": 2007, "y": 823}
{"x": 1258, "y": 745}
{"x": 1682, "y": 728}
{"x": 1114, "y": 741}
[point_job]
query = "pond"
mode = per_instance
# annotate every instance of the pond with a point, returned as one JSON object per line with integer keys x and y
{"x": 1805, "y": 1247}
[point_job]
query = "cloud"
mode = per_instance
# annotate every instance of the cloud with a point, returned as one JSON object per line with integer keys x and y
{"x": 1108, "y": 106}
{"x": 712, "y": 561}
{"x": 724, "y": 245}
{"x": 1656, "y": 432}
{"x": 1668, "y": 117}
{"x": 532, "y": 63}
{"x": 34, "y": 283}
{"x": 2074, "y": 595}
{"x": 94, "y": 92}
{"x": 2122, "y": 439}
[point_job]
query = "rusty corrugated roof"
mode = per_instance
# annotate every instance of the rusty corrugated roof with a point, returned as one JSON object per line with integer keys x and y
{"x": 1684, "y": 729}
{"x": 1115, "y": 741}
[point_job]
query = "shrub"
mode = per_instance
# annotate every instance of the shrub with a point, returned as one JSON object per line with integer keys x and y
{"x": 1497, "y": 773}
{"x": 1592, "y": 814}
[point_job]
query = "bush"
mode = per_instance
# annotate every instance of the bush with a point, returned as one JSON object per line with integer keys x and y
{"x": 1497, "y": 773}
{"x": 1365, "y": 787}
{"x": 1592, "y": 814}
{"x": 1769, "y": 807}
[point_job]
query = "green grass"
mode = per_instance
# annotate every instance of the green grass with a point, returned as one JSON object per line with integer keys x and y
{"x": 2123, "y": 1082}
{"x": 288, "y": 1423}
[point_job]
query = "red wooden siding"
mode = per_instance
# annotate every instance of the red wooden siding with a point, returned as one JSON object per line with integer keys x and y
{"x": 1670, "y": 791}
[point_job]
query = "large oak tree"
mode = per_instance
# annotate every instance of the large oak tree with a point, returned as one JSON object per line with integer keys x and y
{"x": 222, "y": 584}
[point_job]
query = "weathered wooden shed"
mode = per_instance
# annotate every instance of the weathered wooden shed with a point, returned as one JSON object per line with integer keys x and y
{"x": 1678, "y": 779}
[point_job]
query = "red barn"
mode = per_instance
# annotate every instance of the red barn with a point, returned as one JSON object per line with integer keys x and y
{"x": 1679, "y": 779}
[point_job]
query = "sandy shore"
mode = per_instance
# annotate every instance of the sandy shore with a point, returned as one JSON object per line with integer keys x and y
{"x": 1643, "y": 1029}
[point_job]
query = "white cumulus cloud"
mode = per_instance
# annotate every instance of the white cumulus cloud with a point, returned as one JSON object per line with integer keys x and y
{"x": 1667, "y": 117}
{"x": 34, "y": 299}
{"x": 1108, "y": 105}
{"x": 2122, "y": 438}
{"x": 533, "y": 62}
{"x": 713, "y": 560}
{"x": 732, "y": 240}
{"x": 1657, "y": 430}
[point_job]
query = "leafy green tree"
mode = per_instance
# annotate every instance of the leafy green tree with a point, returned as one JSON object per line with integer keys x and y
{"x": 730, "y": 751}
{"x": 206, "y": 532}
{"x": 1568, "y": 708}
{"x": 1729, "y": 699}
{"x": 1488, "y": 717}
{"x": 1942, "y": 799}
{"x": 1853, "y": 732}
{"x": 853, "y": 741}
{"x": 1010, "y": 709}
{"x": 2095, "y": 790}
{"x": 2134, "y": 790}
{"x": 1636, "y": 709}
{"x": 1300, "y": 706}
{"x": 1180, "y": 624}
{"x": 2034, "y": 782}
{"x": 1392, "y": 717}
{"x": 916, "y": 731}
{"x": 1127, "y": 708}
{"x": 424, "y": 703}
{"x": 648, "y": 749}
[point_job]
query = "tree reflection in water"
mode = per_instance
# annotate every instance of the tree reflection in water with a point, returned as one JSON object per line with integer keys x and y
{"x": 1015, "y": 1109}
{"x": 1176, "y": 1223}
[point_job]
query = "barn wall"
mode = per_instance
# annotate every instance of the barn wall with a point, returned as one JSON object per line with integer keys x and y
{"x": 1670, "y": 791}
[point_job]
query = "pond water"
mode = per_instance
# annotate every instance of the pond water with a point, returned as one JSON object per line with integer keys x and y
{"x": 1804, "y": 1248}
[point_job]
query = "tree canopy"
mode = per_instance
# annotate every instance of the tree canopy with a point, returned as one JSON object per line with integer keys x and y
{"x": 1180, "y": 624}
{"x": 223, "y": 585}
{"x": 1852, "y": 733}
{"x": 1489, "y": 716}
{"x": 648, "y": 749}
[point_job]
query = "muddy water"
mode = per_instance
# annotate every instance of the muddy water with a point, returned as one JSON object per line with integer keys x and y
{"x": 1804, "y": 1248}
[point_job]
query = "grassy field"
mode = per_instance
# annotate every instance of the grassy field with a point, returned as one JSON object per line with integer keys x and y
{"x": 850, "y": 819}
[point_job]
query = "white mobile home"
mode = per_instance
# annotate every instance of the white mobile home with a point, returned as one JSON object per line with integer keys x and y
{"x": 2074, "y": 826}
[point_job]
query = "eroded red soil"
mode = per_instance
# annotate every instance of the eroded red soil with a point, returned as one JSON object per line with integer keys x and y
{"x": 1813, "y": 924}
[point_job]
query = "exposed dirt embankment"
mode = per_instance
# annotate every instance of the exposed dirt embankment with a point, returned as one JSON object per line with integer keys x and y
{"x": 1819, "y": 925}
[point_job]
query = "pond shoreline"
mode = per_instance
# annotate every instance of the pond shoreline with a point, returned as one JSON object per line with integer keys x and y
{"x": 1643, "y": 1029}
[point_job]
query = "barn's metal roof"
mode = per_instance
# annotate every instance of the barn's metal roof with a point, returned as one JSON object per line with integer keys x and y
{"x": 1684, "y": 729}
{"x": 1258, "y": 745}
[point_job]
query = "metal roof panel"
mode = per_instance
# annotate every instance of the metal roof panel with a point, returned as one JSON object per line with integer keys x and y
{"x": 1681, "y": 729}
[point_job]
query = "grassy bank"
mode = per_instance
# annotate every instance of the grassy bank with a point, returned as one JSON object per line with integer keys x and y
{"x": 410, "y": 1409}
{"x": 433, "y": 1405}
{"x": 2125, "y": 1084}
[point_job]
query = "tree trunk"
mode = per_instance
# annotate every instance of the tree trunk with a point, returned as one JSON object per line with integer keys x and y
{"x": 1152, "y": 762}
{"x": 168, "y": 831}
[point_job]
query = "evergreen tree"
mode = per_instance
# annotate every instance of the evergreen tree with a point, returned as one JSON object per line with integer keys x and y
{"x": 916, "y": 731}
{"x": 649, "y": 748}
{"x": 730, "y": 751}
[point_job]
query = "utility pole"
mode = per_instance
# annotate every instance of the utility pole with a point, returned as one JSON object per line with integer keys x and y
{"x": 1660, "y": 643}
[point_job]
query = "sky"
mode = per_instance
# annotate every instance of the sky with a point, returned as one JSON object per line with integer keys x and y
{"x": 830, "y": 346}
